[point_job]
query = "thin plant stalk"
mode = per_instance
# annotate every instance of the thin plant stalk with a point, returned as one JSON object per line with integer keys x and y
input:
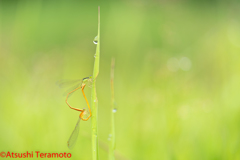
{"x": 112, "y": 139}
{"x": 94, "y": 95}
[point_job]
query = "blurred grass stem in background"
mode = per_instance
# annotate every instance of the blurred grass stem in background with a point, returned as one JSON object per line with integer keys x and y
{"x": 94, "y": 94}
{"x": 112, "y": 138}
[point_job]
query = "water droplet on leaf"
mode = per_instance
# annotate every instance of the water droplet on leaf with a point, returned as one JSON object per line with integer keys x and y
{"x": 114, "y": 110}
{"x": 95, "y": 40}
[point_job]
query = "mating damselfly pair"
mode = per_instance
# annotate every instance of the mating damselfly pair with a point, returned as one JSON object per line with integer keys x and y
{"x": 85, "y": 114}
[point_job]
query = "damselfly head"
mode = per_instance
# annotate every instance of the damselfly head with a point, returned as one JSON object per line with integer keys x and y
{"x": 85, "y": 114}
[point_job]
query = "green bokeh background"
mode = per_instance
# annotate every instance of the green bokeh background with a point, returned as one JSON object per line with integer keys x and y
{"x": 162, "y": 114}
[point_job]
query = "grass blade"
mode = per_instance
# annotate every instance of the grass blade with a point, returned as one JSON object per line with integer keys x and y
{"x": 112, "y": 139}
{"x": 94, "y": 95}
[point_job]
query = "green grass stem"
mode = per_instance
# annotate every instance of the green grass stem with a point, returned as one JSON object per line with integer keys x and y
{"x": 94, "y": 96}
{"x": 112, "y": 139}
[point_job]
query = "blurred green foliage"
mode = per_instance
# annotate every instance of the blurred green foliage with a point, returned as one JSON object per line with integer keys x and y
{"x": 162, "y": 113}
